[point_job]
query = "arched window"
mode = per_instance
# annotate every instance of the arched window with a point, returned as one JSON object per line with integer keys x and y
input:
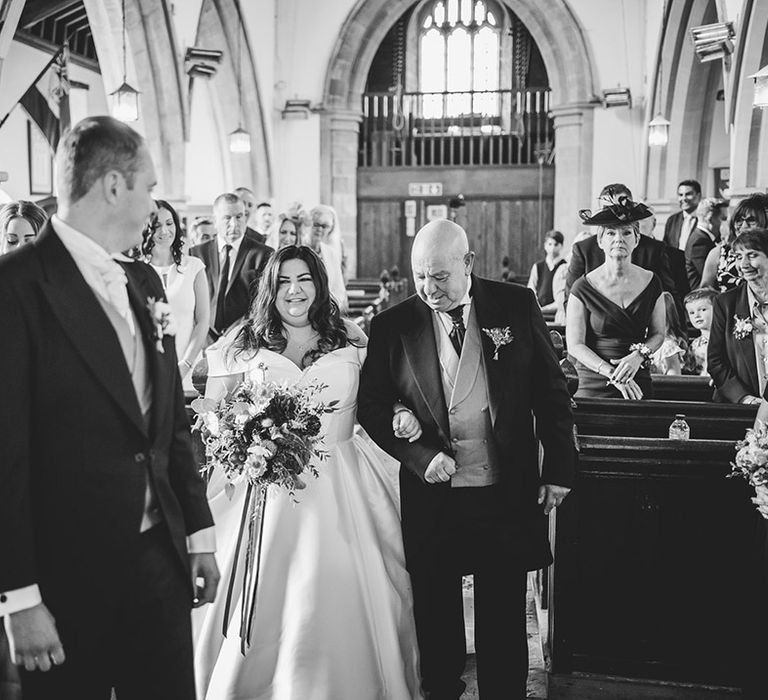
{"x": 460, "y": 54}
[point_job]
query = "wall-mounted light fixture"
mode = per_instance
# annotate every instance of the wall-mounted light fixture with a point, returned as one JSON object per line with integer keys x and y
{"x": 202, "y": 63}
{"x": 713, "y": 41}
{"x": 617, "y": 97}
{"x": 297, "y": 109}
{"x": 125, "y": 105}
{"x": 760, "y": 98}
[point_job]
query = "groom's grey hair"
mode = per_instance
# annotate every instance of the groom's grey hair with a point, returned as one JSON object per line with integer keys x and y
{"x": 92, "y": 148}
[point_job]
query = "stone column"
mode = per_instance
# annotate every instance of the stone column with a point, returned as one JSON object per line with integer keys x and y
{"x": 574, "y": 131}
{"x": 338, "y": 160}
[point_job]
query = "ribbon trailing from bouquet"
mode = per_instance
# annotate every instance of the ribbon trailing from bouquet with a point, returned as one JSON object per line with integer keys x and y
{"x": 252, "y": 531}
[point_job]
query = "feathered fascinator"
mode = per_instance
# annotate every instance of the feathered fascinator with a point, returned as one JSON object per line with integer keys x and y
{"x": 617, "y": 209}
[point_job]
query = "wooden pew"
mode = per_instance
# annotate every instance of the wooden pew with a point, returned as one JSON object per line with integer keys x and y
{"x": 650, "y": 550}
{"x": 670, "y": 387}
{"x": 715, "y": 421}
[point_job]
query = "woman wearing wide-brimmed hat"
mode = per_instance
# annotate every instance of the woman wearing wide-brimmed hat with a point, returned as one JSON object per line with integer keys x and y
{"x": 616, "y": 314}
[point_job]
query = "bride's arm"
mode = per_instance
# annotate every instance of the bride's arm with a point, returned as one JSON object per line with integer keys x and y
{"x": 217, "y": 388}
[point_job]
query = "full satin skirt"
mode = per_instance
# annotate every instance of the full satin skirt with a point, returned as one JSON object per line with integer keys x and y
{"x": 333, "y": 617}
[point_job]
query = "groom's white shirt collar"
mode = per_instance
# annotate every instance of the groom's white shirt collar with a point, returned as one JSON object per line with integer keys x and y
{"x": 99, "y": 269}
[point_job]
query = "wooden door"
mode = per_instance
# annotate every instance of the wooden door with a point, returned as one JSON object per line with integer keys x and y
{"x": 495, "y": 228}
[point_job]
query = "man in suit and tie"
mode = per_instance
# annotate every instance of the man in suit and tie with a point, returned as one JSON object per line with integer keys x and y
{"x": 650, "y": 254}
{"x": 105, "y": 519}
{"x": 249, "y": 201}
{"x": 472, "y": 359}
{"x": 680, "y": 225}
{"x": 233, "y": 264}
{"x": 706, "y": 235}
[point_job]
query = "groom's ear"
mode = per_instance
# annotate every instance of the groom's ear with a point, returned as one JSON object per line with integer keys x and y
{"x": 112, "y": 184}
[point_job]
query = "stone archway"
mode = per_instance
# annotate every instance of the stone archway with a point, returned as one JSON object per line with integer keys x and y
{"x": 749, "y": 169}
{"x": 220, "y": 23}
{"x": 566, "y": 55}
{"x": 154, "y": 70}
{"x": 686, "y": 97}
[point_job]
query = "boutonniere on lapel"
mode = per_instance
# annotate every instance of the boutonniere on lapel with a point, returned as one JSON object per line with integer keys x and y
{"x": 162, "y": 320}
{"x": 500, "y": 337}
{"x": 742, "y": 327}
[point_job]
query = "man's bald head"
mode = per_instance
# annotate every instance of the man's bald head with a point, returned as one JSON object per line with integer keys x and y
{"x": 442, "y": 237}
{"x": 441, "y": 264}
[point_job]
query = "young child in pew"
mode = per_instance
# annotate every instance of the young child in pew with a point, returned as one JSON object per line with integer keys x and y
{"x": 698, "y": 304}
{"x": 670, "y": 357}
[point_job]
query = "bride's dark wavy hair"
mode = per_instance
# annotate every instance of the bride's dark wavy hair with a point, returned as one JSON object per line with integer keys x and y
{"x": 264, "y": 326}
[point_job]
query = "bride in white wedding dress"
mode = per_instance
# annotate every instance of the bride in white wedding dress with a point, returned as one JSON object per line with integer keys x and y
{"x": 333, "y": 617}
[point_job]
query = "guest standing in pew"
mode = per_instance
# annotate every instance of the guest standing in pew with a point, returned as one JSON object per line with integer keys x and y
{"x": 698, "y": 304}
{"x": 704, "y": 238}
{"x": 233, "y": 265}
{"x": 648, "y": 253}
{"x": 543, "y": 272}
{"x": 560, "y": 277}
{"x": 20, "y": 222}
{"x": 670, "y": 357}
{"x": 185, "y": 284}
{"x": 738, "y": 342}
{"x": 615, "y": 319}
{"x": 720, "y": 268}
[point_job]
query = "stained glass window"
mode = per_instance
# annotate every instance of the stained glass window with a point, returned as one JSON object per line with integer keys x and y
{"x": 459, "y": 53}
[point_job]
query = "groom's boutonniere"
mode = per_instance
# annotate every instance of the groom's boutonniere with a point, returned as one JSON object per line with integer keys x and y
{"x": 162, "y": 320}
{"x": 500, "y": 337}
{"x": 742, "y": 327}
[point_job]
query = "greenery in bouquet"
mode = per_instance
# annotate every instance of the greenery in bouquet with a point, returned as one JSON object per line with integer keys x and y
{"x": 264, "y": 433}
{"x": 751, "y": 460}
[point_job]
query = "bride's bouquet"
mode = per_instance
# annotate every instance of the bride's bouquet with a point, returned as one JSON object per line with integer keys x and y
{"x": 752, "y": 456}
{"x": 264, "y": 434}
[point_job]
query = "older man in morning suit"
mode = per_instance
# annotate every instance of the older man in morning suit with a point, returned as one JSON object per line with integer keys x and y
{"x": 233, "y": 264}
{"x": 472, "y": 359}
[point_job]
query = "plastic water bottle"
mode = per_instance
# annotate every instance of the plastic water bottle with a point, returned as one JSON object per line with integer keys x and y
{"x": 679, "y": 429}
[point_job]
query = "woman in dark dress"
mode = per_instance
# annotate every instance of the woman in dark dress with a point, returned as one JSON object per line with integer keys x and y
{"x": 616, "y": 315}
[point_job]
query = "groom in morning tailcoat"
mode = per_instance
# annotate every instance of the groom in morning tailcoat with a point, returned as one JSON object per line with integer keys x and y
{"x": 473, "y": 500}
{"x": 106, "y": 527}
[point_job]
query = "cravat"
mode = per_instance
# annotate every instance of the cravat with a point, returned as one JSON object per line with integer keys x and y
{"x": 115, "y": 281}
{"x": 459, "y": 330}
{"x": 222, "y": 293}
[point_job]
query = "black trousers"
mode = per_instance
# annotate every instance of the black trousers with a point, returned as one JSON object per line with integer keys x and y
{"x": 131, "y": 632}
{"x": 473, "y": 537}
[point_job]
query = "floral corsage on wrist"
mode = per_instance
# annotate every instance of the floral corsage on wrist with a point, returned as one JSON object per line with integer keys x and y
{"x": 644, "y": 351}
{"x": 162, "y": 320}
{"x": 742, "y": 327}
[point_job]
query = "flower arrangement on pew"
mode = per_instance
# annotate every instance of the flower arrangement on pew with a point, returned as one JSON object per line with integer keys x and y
{"x": 751, "y": 463}
{"x": 267, "y": 435}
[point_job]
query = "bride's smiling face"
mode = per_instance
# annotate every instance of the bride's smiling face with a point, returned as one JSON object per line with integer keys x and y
{"x": 295, "y": 292}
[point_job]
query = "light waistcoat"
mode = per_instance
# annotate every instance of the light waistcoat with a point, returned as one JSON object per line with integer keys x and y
{"x": 466, "y": 391}
{"x": 136, "y": 358}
